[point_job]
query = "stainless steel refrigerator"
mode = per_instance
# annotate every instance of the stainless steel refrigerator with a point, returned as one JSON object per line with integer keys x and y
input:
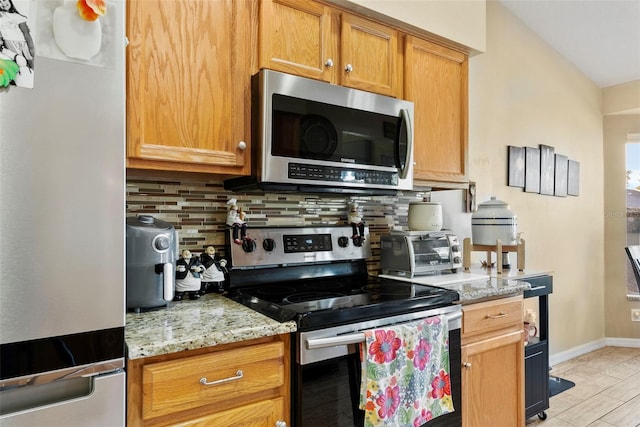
{"x": 62, "y": 238}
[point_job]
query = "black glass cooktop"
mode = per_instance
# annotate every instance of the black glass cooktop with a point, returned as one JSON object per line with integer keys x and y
{"x": 318, "y": 303}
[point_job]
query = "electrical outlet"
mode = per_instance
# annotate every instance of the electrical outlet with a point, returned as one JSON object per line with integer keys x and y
{"x": 635, "y": 314}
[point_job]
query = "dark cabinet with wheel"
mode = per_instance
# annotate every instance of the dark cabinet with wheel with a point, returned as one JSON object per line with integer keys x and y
{"x": 536, "y": 353}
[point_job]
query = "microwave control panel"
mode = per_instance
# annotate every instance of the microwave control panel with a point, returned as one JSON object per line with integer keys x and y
{"x": 338, "y": 174}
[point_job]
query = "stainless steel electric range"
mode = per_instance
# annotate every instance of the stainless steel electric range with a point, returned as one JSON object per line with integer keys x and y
{"x": 317, "y": 276}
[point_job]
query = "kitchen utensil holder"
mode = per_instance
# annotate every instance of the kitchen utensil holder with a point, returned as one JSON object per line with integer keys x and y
{"x": 498, "y": 248}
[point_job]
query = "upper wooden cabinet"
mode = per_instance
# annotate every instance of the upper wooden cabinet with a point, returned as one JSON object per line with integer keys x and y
{"x": 436, "y": 80}
{"x": 296, "y": 36}
{"x": 189, "y": 85}
{"x": 313, "y": 40}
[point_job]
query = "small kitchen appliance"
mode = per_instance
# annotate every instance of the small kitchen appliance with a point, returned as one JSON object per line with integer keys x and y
{"x": 425, "y": 216}
{"x": 315, "y": 137}
{"x": 151, "y": 258}
{"x": 416, "y": 253}
{"x": 317, "y": 276}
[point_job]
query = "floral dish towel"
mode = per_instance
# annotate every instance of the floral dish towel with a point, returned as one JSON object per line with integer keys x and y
{"x": 405, "y": 373}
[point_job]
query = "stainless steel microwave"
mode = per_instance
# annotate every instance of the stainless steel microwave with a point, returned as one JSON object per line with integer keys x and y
{"x": 312, "y": 136}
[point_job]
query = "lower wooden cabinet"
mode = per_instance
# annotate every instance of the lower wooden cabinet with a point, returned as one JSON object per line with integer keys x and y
{"x": 264, "y": 413}
{"x": 241, "y": 384}
{"x": 493, "y": 364}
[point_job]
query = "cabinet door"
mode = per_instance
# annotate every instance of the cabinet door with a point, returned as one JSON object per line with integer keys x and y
{"x": 536, "y": 374}
{"x": 492, "y": 382}
{"x": 260, "y": 414}
{"x": 296, "y": 37}
{"x": 188, "y": 85}
{"x": 369, "y": 56}
{"x": 436, "y": 81}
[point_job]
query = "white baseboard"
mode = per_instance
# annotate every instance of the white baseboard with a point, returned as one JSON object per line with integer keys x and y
{"x": 624, "y": 342}
{"x": 574, "y": 352}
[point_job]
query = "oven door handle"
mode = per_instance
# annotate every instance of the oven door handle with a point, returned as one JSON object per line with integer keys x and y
{"x": 316, "y": 343}
{"x": 359, "y": 337}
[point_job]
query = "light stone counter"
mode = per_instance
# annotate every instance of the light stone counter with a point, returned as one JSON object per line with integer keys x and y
{"x": 479, "y": 284}
{"x": 187, "y": 325}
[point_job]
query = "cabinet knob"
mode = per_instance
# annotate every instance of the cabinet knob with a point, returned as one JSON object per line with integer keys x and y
{"x": 348, "y": 68}
{"x": 281, "y": 424}
{"x": 329, "y": 63}
{"x": 242, "y": 145}
{"x": 467, "y": 365}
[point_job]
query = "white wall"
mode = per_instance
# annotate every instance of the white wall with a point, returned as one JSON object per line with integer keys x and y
{"x": 522, "y": 93}
{"x": 621, "y": 99}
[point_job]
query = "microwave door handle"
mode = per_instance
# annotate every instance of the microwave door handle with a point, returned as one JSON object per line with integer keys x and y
{"x": 407, "y": 120}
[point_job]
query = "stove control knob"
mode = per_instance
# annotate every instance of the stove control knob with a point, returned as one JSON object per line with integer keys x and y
{"x": 343, "y": 241}
{"x": 357, "y": 241}
{"x": 248, "y": 245}
{"x": 455, "y": 248}
{"x": 457, "y": 260}
{"x": 268, "y": 244}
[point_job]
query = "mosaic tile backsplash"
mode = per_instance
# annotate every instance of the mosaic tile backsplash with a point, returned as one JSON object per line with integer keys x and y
{"x": 198, "y": 210}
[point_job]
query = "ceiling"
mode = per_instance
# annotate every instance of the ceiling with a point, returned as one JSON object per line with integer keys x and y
{"x": 600, "y": 37}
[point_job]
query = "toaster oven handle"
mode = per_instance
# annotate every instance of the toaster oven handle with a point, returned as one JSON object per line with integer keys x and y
{"x": 406, "y": 118}
{"x": 167, "y": 281}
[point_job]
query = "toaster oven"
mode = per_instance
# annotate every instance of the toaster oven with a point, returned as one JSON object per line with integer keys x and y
{"x": 416, "y": 253}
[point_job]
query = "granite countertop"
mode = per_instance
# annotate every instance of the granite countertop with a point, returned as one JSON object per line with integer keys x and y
{"x": 187, "y": 325}
{"x": 215, "y": 320}
{"x": 479, "y": 284}
{"x": 472, "y": 291}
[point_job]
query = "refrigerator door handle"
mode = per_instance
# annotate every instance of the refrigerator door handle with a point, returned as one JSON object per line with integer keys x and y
{"x": 73, "y": 402}
{"x": 88, "y": 370}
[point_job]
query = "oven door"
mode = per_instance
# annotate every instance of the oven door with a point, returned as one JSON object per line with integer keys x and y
{"x": 326, "y": 377}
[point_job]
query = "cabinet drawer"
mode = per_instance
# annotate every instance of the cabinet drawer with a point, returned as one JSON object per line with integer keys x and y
{"x": 492, "y": 316}
{"x": 174, "y": 386}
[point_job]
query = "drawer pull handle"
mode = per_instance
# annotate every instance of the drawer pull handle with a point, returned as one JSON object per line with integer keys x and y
{"x": 238, "y": 375}
{"x": 467, "y": 365}
{"x": 496, "y": 316}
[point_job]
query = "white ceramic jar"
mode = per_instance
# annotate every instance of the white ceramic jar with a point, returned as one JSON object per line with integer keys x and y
{"x": 492, "y": 221}
{"x": 425, "y": 216}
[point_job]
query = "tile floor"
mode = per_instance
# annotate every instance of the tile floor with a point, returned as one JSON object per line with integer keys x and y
{"x": 606, "y": 394}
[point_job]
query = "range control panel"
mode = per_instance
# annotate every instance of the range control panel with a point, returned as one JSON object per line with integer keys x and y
{"x": 307, "y": 243}
{"x": 275, "y": 246}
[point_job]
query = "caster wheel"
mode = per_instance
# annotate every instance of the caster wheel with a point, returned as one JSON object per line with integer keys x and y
{"x": 542, "y": 415}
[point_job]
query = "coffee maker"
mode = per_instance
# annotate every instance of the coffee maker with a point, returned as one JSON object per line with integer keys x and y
{"x": 151, "y": 257}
